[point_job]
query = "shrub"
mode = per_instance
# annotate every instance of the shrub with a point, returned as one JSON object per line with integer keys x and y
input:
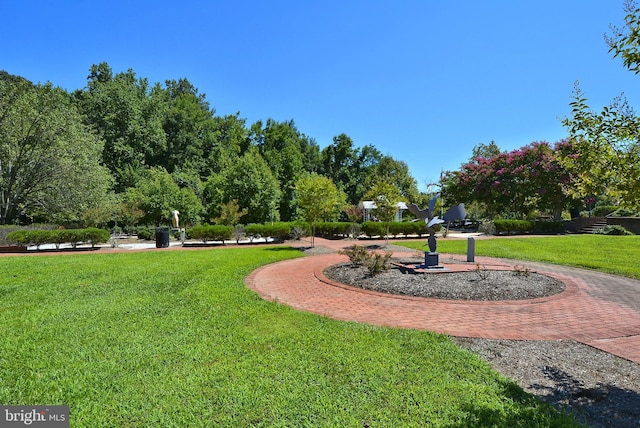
{"x": 487, "y": 227}
{"x": 373, "y": 228}
{"x": 94, "y": 236}
{"x": 549, "y": 226}
{"x": 528, "y": 226}
{"x": 418, "y": 228}
{"x": 603, "y": 210}
{"x": 207, "y": 232}
{"x": 513, "y": 226}
{"x": 524, "y": 272}
{"x": 397, "y": 228}
{"x": 18, "y": 237}
{"x": 298, "y": 231}
{"x": 279, "y": 231}
{"x": 73, "y": 236}
{"x": 145, "y": 233}
{"x": 358, "y": 255}
{"x": 623, "y": 212}
{"x": 332, "y": 229}
{"x": 354, "y": 230}
{"x": 62, "y": 236}
{"x": 39, "y": 237}
{"x": 378, "y": 263}
{"x": 303, "y": 228}
{"x": 481, "y": 272}
{"x": 254, "y": 231}
{"x": 614, "y": 229}
{"x": 6, "y": 230}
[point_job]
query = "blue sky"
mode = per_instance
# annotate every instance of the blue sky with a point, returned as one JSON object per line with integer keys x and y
{"x": 423, "y": 81}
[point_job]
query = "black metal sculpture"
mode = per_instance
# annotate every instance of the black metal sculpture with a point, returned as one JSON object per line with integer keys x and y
{"x": 456, "y": 212}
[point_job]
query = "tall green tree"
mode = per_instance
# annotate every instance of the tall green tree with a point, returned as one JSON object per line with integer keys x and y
{"x": 311, "y": 159}
{"x": 397, "y": 174}
{"x": 49, "y": 160}
{"x": 158, "y": 195}
{"x": 319, "y": 199}
{"x": 249, "y": 181}
{"x": 229, "y": 141}
{"x": 127, "y": 117}
{"x": 280, "y": 147}
{"x": 340, "y": 163}
{"x": 484, "y": 151}
{"x": 386, "y": 197}
{"x": 189, "y": 129}
{"x": 605, "y": 157}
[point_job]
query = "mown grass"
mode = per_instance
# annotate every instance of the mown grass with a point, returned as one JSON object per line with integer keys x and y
{"x": 175, "y": 339}
{"x": 613, "y": 254}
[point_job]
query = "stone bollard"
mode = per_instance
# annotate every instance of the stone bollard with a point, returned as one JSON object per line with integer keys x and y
{"x": 471, "y": 249}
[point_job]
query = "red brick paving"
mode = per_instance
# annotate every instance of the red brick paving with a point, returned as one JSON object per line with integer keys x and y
{"x": 597, "y": 309}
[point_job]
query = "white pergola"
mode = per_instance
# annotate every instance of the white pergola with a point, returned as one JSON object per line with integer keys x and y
{"x": 368, "y": 206}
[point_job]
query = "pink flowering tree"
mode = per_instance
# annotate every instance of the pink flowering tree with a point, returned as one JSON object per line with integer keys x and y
{"x": 513, "y": 183}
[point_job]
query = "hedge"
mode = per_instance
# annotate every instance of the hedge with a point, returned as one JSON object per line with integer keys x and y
{"x": 205, "y": 232}
{"x": 90, "y": 235}
{"x": 255, "y": 231}
{"x": 280, "y": 231}
{"x": 528, "y": 226}
{"x": 333, "y": 229}
{"x": 374, "y": 228}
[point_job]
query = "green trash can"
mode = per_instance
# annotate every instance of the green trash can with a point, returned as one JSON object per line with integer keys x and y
{"x": 162, "y": 237}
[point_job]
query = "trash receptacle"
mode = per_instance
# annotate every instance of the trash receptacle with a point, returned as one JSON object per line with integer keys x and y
{"x": 162, "y": 237}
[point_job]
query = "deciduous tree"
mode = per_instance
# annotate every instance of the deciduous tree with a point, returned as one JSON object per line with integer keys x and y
{"x": 319, "y": 199}
{"x": 386, "y": 197}
{"x": 127, "y": 117}
{"x": 513, "y": 183}
{"x": 49, "y": 160}
{"x": 250, "y": 181}
{"x": 606, "y": 144}
{"x": 157, "y": 195}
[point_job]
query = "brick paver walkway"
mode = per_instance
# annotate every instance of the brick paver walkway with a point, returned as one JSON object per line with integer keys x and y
{"x": 597, "y": 309}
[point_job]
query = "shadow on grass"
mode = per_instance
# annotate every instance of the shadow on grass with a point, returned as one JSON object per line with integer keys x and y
{"x": 281, "y": 247}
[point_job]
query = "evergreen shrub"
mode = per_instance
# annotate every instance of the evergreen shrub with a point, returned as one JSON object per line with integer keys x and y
{"x": 333, "y": 229}
{"x": 503, "y": 226}
{"x": 373, "y": 228}
{"x": 614, "y": 229}
{"x": 91, "y": 235}
{"x": 207, "y": 232}
{"x": 280, "y": 231}
{"x": 603, "y": 210}
{"x": 255, "y": 231}
{"x": 145, "y": 232}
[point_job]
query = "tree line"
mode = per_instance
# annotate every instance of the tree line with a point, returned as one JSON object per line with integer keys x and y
{"x": 126, "y": 150}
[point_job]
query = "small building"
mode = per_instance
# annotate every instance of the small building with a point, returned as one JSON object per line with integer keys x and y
{"x": 368, "y": 206}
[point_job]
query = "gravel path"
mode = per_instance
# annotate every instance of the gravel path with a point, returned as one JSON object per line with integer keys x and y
{"x": 601, "y": 389}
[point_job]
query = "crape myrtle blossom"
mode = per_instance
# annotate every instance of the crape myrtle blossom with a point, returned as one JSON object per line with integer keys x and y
{"x": 514, "y": 183}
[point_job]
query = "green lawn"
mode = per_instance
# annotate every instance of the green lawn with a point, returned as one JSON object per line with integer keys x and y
{"x": 613, "y": 254}
{"x": 175, "y": 339}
